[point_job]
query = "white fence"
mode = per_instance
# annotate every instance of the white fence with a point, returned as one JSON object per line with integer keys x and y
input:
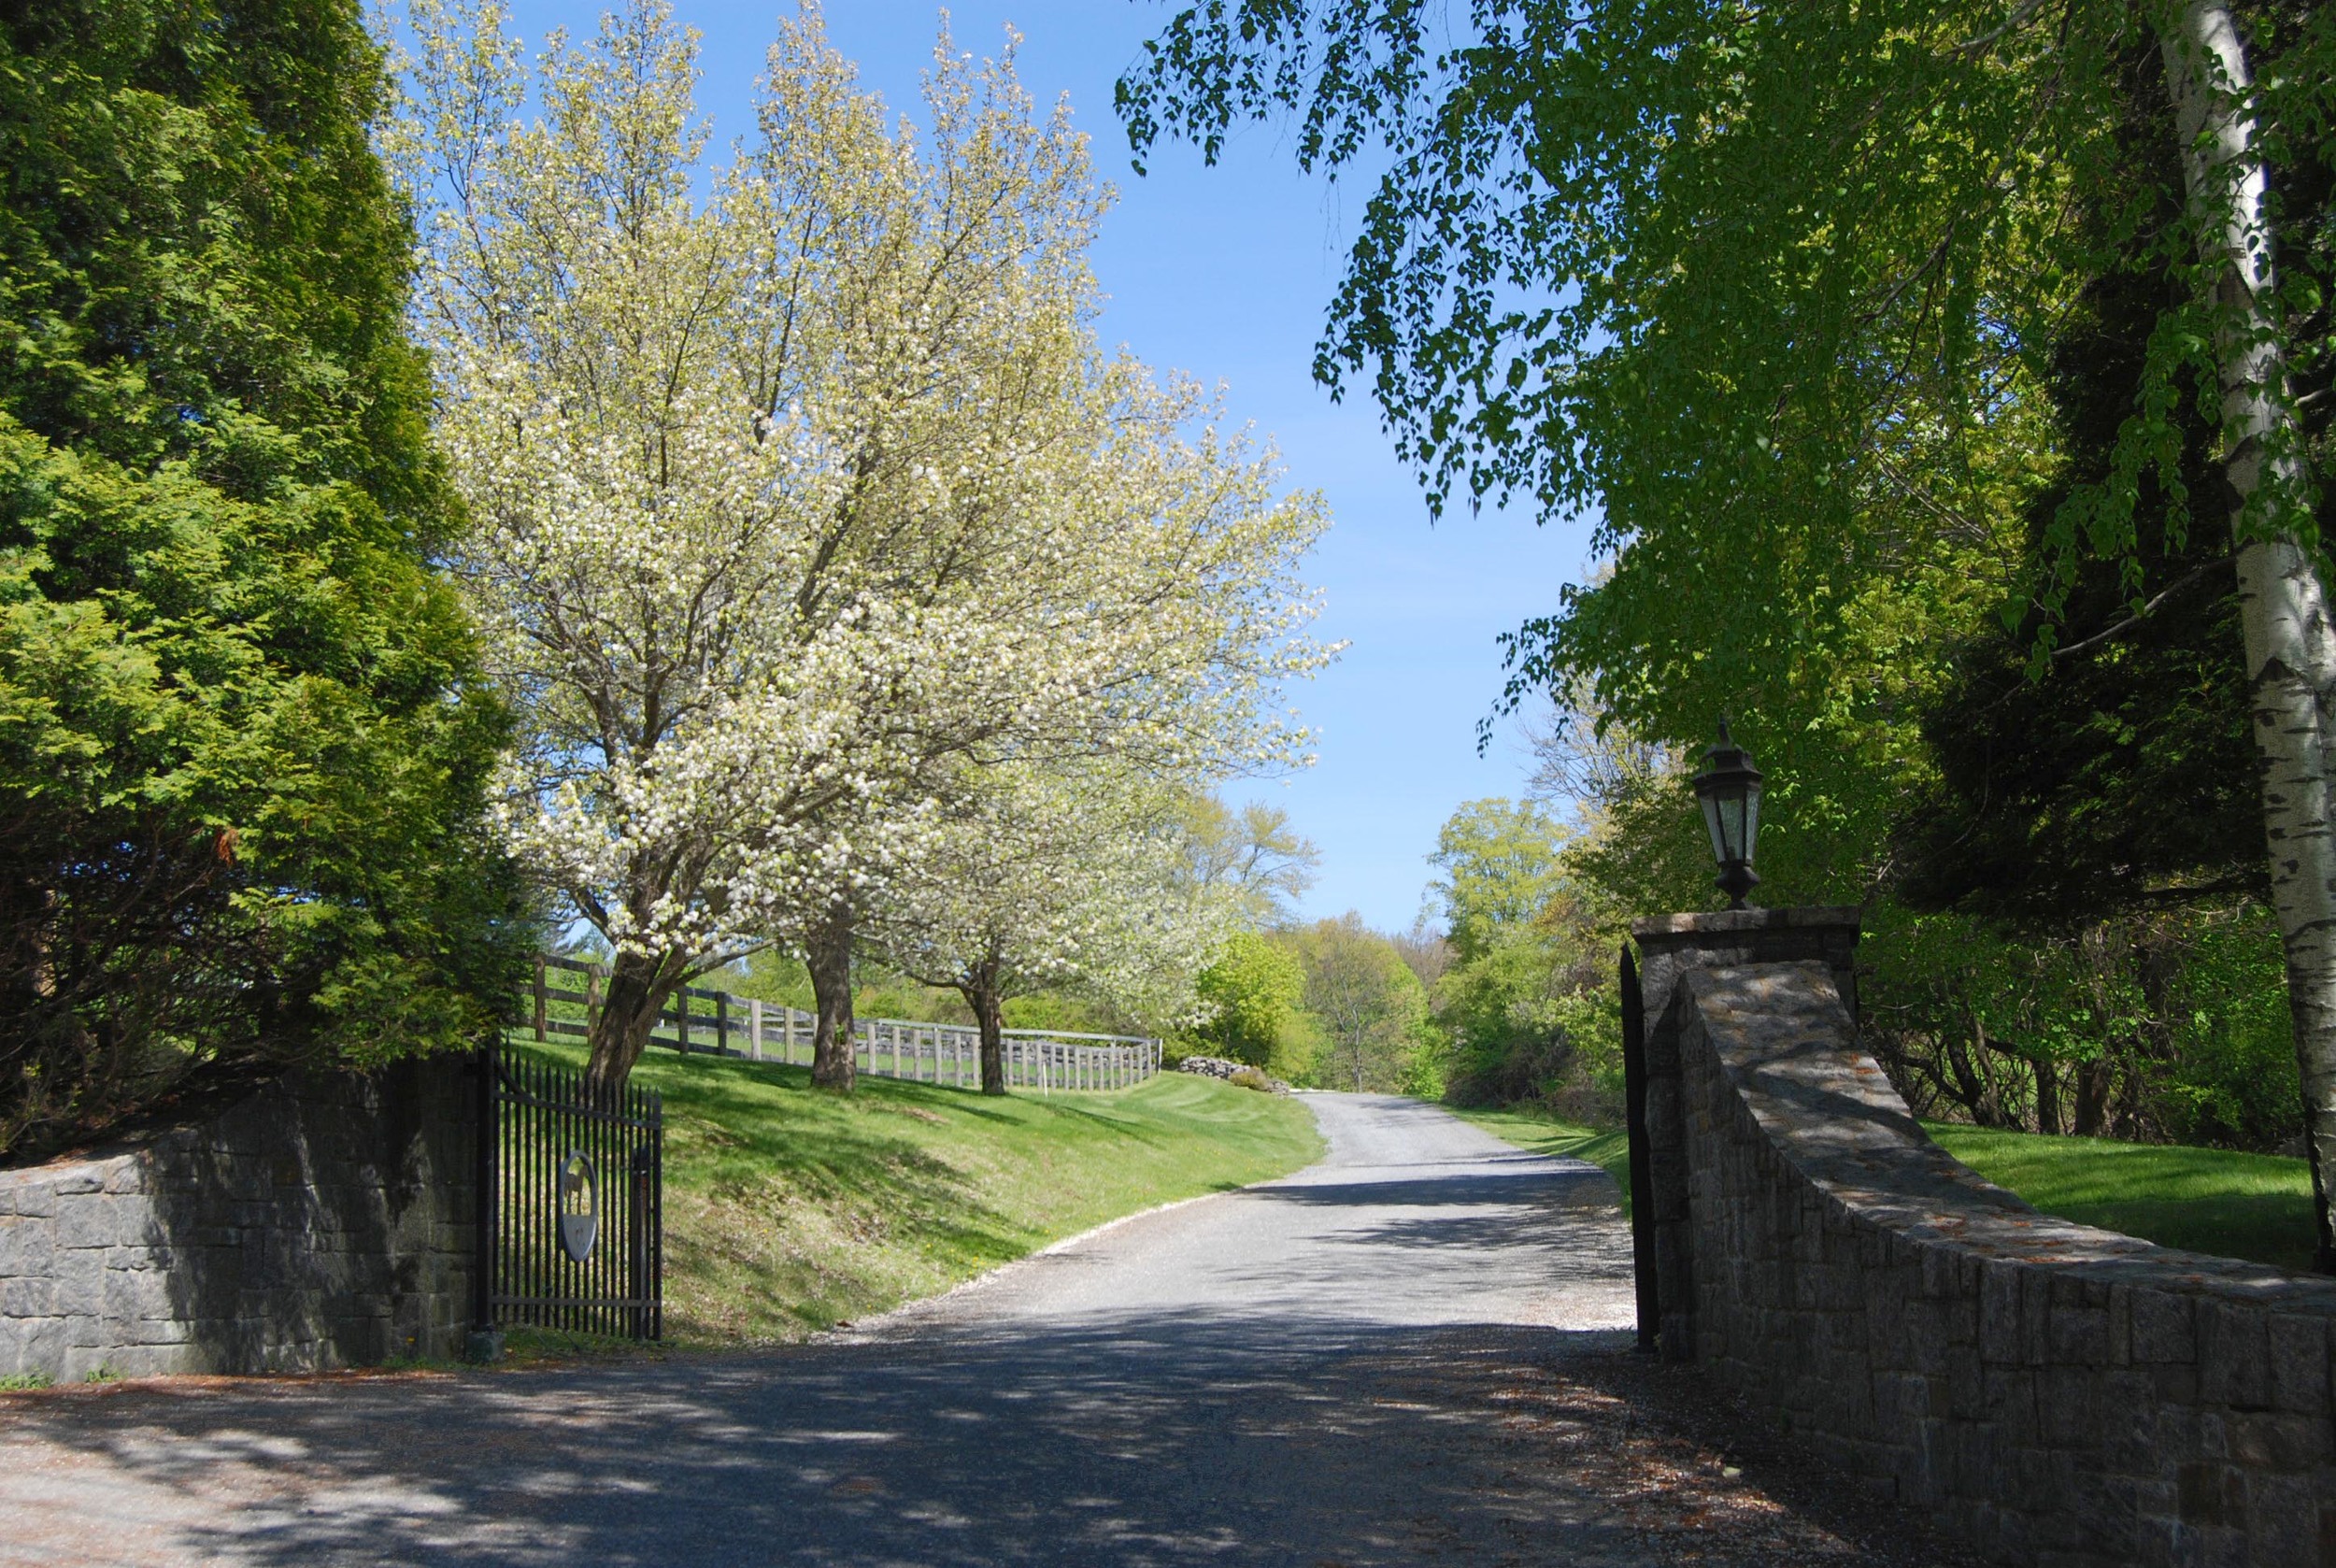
{"x": 718, "y": 1023}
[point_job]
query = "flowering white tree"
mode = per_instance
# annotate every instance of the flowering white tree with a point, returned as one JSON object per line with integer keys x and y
{"x": 1164, "y": 587}
{"x": 788, "y": 495}
{"x": 1071, "y": 877}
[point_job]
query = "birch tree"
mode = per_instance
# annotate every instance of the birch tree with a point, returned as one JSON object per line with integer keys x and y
{"x": 2282, "y": 596}
{"x": 789, "y": 490}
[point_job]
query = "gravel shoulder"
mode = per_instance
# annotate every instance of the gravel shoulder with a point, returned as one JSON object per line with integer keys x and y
{"x": 1413, "y": 1351}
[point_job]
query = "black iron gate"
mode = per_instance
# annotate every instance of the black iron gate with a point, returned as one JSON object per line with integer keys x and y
{"x": 571, "y": 1188}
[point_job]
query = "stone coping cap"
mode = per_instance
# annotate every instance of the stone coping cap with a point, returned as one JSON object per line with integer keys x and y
{"x": 1725, "y": 921}
{"x": 1828, "y": 1109}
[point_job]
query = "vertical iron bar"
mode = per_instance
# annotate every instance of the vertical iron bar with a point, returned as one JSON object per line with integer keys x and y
{"x": 506, "y": 1228}
{"x": 657, "y": 1224}
{"x": 546, "y": 1128}
{"x": 483, "y": 1154}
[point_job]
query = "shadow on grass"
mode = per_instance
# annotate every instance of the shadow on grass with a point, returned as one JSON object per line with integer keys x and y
{"x": 2220, "y": 1201}
{"x": 2274, "y": 1228}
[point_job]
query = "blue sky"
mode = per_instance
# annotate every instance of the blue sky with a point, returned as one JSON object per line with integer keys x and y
{"x": 1225, "y": 273}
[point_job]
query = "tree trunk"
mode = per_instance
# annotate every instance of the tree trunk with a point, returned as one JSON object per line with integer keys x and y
{"x": 828, "y": 956}
{"x": 980, "y": 992}
{"x": 2048, "y": 1094}
{"x": 638, "y": 987}
{"x": 1961, "y": 1083}
{"x": 2092, "y": 1096}
{"x": 2291, "y": 648}
{"x": 1990, "y": 1111}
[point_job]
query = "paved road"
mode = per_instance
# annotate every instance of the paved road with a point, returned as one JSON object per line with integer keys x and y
{"x": 1391, "y": 1357}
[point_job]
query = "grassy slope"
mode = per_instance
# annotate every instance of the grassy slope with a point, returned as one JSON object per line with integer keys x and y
{"x": 787, "y": 1210}
{"x": 1546, "y": 1134}
{"x": 2256, "y": 1206}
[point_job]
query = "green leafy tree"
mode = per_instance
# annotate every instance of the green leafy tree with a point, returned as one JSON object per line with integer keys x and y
{"x": 1499, "y": 870}
{"x": 1251, "y": 856}
{"x": 1775, "y": 288}
{"x": 1254, "y": 995}
{"x": 1370, "y": 1008}
{"x": 1525, "y": 1004}
{"x": 242, "y": 743}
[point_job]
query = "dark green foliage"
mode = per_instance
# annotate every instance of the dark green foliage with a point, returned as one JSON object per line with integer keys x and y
{"x": 2100, "y": 814}
{"x": 2119, "y": 772}
{"x": 2124, "y": 773}
{"x": 242, "y": 742}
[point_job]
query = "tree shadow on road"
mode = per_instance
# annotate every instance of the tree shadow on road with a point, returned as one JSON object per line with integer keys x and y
{"x": 1142, "y": 1439}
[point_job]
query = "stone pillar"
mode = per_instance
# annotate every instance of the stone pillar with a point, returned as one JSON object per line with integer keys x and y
{"x": 1668, "y": 946}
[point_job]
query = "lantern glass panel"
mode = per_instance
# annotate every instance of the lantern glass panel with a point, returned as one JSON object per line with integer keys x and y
{"x": 1713, "y": 807}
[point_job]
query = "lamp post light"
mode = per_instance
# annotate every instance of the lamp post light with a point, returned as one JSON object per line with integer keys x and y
{"x": 1729, "y": 790}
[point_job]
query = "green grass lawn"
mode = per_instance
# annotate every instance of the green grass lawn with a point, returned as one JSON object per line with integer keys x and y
{"x": 1546, "y": 1134}
{"x": 789, "y": 1209}
{"x": 2257, "y": 1206}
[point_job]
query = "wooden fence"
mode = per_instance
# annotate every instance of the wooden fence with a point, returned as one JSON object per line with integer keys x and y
{"x": 568, "y": 993}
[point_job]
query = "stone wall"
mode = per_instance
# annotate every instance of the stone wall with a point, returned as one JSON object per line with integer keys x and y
{"x": 2056, "y": 1394}
{"x": 324, "y": 1222}
{"x": 1669, "y": 947}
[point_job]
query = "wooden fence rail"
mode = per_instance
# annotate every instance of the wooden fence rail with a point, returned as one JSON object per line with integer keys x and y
{"x": 567, "y": 994}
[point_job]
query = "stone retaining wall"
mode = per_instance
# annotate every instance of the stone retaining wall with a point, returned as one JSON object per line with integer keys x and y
{"x": 325, "y": 1221}
{"x": 2058, "y": 1395}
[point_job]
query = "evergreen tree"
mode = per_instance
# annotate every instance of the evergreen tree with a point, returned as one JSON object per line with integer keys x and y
{"x": 242, "y": 747}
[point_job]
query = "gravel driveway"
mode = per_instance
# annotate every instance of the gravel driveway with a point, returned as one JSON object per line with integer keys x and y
{"x": 1412, "y": 1352}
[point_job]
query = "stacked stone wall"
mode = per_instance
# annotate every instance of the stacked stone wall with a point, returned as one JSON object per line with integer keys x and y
{"x": 325, "y": 1221}
{"x": 2056, "y": 1395}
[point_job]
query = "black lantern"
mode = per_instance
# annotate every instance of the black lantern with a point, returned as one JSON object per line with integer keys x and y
{"x": 1730, "y": 789}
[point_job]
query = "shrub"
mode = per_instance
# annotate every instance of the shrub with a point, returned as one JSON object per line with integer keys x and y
{"x": 243, "y": 743}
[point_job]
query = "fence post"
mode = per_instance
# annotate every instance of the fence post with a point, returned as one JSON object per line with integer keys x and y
{"x": 541, "y": 1033}
{"x": 721, "y": 1024}
{"x": 754, "y": 1030}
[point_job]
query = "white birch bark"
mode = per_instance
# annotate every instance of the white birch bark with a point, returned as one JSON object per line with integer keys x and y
{"x": 2290, "y": 646}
